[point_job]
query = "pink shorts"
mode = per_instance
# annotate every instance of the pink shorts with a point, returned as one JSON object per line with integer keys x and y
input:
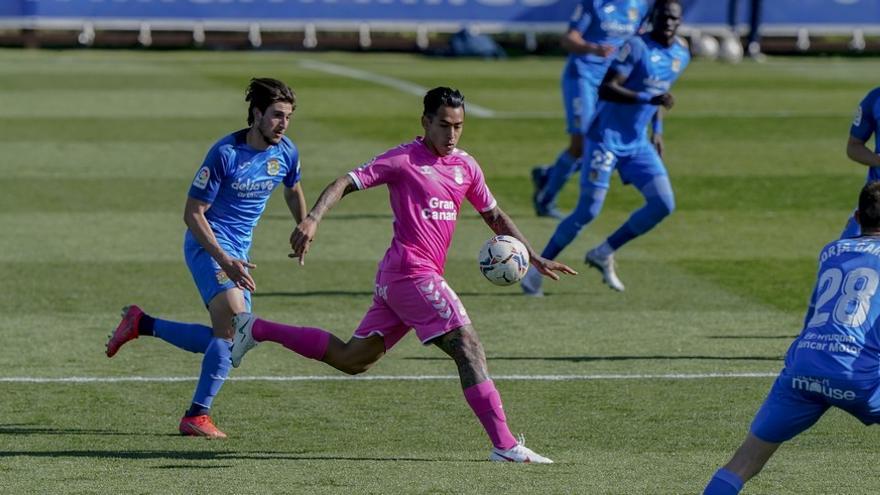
{"x": 401, "y": 302}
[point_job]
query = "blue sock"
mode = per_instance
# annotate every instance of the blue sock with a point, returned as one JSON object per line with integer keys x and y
{"x": 215, "y": 369}
{"x": 724, "y": 483}
{"x": 557, "y": 176}
{"x": 190, "y": 337}
{"x": 551, "y": 250}
{"x": 588, "y": 207}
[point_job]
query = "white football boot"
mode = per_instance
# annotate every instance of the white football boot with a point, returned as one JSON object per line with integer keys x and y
{"x": 243, "y": 339}
{"x": 519, "y": 453}
{"x": 604, "y": 264}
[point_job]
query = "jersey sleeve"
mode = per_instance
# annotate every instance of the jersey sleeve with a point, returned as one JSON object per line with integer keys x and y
{"x": 627, "y": 57}
{"x": 378, "y": 171}
{"x": 206, "y": 183}
{"x": 294, "y": 174}
{"x": 865, "y": 122}
{"x": 479, "y": 194}
{"x": 580, "y": 18}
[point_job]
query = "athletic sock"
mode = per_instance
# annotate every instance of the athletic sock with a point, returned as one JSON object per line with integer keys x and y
{"x": 620, "y": 237}
{"x": 724, "y": 483}
{"x": 557, "y": 175}
{"x": 215, "y": 369}
{"x": 605, "y": 250}
{"x": 145, "y": 325}
{"x": 190, "y": 337}
{"x": 196, "y": 410}
{"x": 485, "y": 401}
{"x": 305, "y": 341}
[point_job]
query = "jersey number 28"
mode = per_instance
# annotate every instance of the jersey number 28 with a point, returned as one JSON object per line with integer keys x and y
{"x": 854, "y": 299}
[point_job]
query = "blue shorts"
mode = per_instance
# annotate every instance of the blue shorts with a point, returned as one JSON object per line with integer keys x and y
{"x": 210, "y": 279}
{"x": 637, "y": 168}
{"x": 795, "y": 403}
{"x": 579, "y": 97}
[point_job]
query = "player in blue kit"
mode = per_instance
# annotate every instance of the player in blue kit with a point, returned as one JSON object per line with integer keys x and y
{"x": 865, "y": 124}
{"x": 597, "y": 30}
{"x": 834, "y": 362}
{"x": 635, "y": 86}
{"x": 226, "y": 199}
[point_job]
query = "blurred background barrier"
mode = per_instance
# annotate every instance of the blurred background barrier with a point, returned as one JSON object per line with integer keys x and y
{"x": 800, "y": 20}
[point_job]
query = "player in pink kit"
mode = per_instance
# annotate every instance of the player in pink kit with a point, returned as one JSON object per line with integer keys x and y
{"x": 427, "y": 179}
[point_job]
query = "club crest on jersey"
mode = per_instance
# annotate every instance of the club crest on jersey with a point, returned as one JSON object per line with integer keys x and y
{"x": 676, "y": 65}
{"x": 273, "y": 167}
{"x": 222, "y": 277}
{"x": 201, "y": 180}
{"x": 857, "y": 119}
{"x": 633, "y": 14}
{"x": 459, "y": 175}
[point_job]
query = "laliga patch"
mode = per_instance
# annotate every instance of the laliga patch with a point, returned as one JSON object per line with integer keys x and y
{"x": 272, "y": 167}
{"x": 222, "y": 277}
{"x": 676, "y": 65}
{"x": 201, "y": 180}
{"x": 857, "y": 120}
{"x": 633, "y": 14}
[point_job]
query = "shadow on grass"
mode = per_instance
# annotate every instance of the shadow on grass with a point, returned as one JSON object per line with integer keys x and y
{"x": 586, "y": 359}
{"x": 188, "y": 455}
{"x": 28, "y": 429}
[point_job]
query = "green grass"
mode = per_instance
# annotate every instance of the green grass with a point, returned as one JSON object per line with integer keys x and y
{"x": 99, "y": 148}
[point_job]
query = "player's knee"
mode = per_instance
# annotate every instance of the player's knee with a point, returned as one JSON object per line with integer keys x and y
{"x": 663, "y": 205}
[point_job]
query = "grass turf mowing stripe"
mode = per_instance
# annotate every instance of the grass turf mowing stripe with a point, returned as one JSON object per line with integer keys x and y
{"x": 319, "y": 378}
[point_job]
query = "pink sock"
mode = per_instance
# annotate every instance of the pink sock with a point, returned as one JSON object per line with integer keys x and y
{"x": 306, "y": 341}
{"x": 486, "y": 404}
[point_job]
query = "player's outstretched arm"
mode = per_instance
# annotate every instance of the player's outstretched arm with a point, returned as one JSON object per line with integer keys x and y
{"x": 858, "y": 152}
{"x": 502, "y": 224}
{"x": 235, "y": 269}
{"x": 573, "y": 42}
{"x": 304, "y": 233}
{"x": 296, "y": 201}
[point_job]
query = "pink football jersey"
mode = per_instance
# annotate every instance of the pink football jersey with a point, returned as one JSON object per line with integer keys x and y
{"x": 426, "y": 192}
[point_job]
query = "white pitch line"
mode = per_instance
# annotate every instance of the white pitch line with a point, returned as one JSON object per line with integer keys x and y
{"x": 369, "y": 378}
{"x": 391, "y": 82}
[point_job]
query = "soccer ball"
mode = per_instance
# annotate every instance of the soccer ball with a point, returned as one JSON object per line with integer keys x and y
{"x": 504, "y": 260}
{"x": 731, "y": 50}
{"x": 705, "y": 46}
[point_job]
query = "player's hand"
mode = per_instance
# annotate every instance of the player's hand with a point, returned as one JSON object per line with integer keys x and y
{"x": 301, "y": 239}
{"x": 237, "y": 271}
{"x": 665, "y": 99}
{"x": 548, "y": 268}
{"x": 657, "y": 141}
{"x": 603, "y": 51}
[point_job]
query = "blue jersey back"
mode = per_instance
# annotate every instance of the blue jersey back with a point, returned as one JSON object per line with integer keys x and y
{"x": 649, "y": 67}
{"x": 605, "y": 22}
{"x": 866, "y": 123}
{"x": 840, "y": 336}
{"x": 237, "y": 181}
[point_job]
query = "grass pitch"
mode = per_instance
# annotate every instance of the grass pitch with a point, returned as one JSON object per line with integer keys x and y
{"x": 99, "y": 149}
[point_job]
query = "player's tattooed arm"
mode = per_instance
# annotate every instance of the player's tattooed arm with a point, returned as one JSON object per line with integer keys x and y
{"x": 501, "y": 224}
{"x": 304, "y": 233}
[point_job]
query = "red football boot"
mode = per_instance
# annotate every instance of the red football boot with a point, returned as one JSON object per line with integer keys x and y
{"x": 126, "y": 330}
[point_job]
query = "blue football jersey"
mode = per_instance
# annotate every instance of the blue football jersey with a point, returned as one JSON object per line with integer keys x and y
{"x": 649, "y": 67}
{"x": 237, "y": 181}
{"x": 840, "y": 336}
{"x": 605, "y": 22}
{"x": 866, "y": 123}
